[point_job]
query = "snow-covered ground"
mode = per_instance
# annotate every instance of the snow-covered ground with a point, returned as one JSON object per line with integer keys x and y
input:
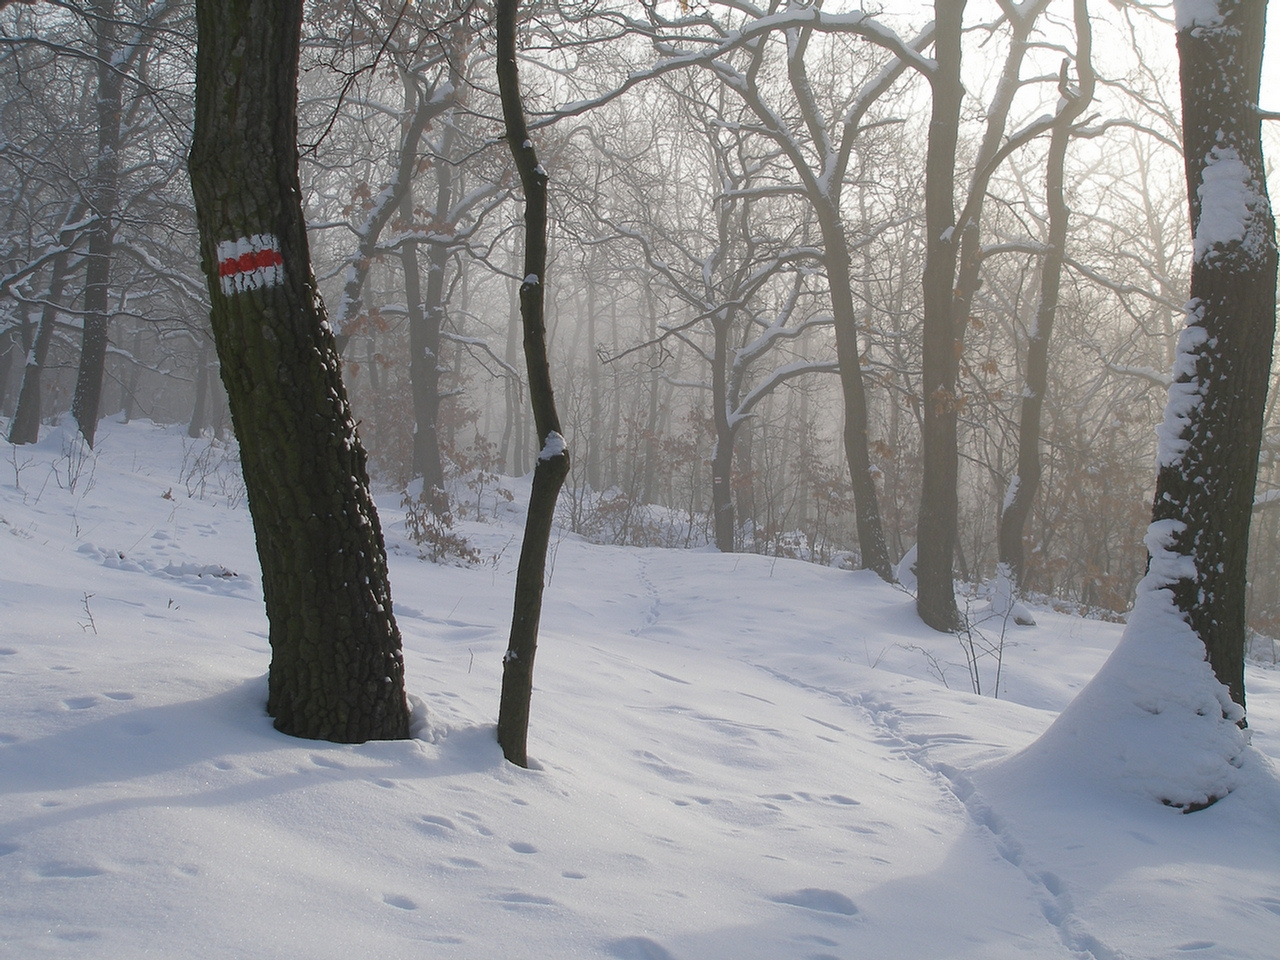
{"x": 734, "y": 757}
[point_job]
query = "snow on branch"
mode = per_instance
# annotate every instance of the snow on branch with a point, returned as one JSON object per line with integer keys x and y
{"x": 675, "y": 57}
{"x": 778, "y": 377}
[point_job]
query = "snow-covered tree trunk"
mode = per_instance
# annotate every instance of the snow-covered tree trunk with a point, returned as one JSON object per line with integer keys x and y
{"x": 336, "y": 668}
{"x": 1209, "y": 442}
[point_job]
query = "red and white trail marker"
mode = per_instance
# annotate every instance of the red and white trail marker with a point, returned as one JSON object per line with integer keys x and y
{"x": 250, "y": 263}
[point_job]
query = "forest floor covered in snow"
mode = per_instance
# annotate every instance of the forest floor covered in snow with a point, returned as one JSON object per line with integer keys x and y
{"x": 734, "y": 757}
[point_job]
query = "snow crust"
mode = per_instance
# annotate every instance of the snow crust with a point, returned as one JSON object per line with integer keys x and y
{"x": 734, "y": 757}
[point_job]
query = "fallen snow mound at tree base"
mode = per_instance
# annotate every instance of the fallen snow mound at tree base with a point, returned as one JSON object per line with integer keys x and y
{"x": 1154, "y": 720}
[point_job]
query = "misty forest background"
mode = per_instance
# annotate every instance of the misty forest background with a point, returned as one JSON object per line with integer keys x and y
{"x": 689, "y": 305}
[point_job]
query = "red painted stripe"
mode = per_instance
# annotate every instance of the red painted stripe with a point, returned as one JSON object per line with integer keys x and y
{"x": 247, "y": 262}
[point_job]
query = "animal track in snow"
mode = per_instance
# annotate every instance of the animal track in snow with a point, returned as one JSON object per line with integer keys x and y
{"x": 654, "y": 610}
{"x": 212, "y": 577}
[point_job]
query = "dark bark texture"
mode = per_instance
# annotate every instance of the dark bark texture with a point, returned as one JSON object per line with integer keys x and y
{"x": 336, "y": 668}
{"x": 552, "y": 466}
{"x": 1209, "y": 489}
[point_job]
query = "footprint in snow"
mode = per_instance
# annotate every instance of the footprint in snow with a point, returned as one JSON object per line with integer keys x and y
{"x": 819, "y": 900}
{"x": 74, "y": 871}
{"x": 669, "y": 677}
{"x": 525, "y": 899}
{"x": 662, "y": 768}
{"x": 78, "y": 936}
{"x": 399, "y": 902}
{"x": 520, "y": 846}
{"x": 637, "y": 948}
{"x": 79, "y": 703}
{"x": 476, "y": 823}
{"x": 118, "y": 695}
{"x": 137, "y": 728}
{"x": 435, "y": 826}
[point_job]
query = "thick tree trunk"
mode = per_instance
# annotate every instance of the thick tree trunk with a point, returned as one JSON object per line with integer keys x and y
{"x": 427, "y": 320}
{"x": 200, "y": 411}
{"x": 513, "y": 446}
{"x": 595, "y": 435}
{"x": 857, "y": 447}
{"x": 1026, "y": 481}
{"x": 552, "y": 467}
{"x": 425, "y": 361}
{"x": 936, "y": 529}
{"x": 8, "y": 352}
{"x": 129, "y": 384}
{"x": 25, "y": 427}
{"x": 105, "y": 191}
{"x": 1213, "y": 423}
{"x": 722, "y": 523}
{"x": 336, "y": 668}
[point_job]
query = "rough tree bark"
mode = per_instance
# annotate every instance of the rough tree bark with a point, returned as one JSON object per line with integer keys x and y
{"x": 336, "y": 667}
{"x": 1212, "y": 432}
{"x": 552, "y": 468}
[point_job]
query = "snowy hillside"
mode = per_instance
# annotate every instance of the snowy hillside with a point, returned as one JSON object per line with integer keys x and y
{"x": 735, "y": 758}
